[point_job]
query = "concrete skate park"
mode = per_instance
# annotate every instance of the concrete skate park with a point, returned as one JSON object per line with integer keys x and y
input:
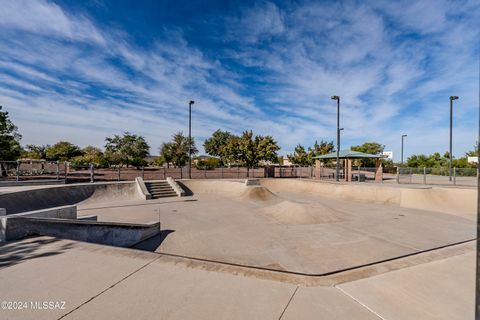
{"x": 236, "y": 249}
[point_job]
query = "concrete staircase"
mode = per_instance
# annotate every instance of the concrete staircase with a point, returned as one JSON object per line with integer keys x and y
{"x": 160, "y": 189}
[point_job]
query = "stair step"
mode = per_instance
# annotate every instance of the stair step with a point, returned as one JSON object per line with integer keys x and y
{"x": 156, "y": 196}
{"x": 162, "y": 191}
{"x": 166, "y": 192}
{"x": 160, "y": 187}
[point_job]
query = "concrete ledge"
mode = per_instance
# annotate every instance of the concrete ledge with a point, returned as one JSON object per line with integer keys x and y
{"x": 108, "y": 233}
{"x": 64, "y": 212}
{"x": 55, "y": 196}
{"x": 31, "y": 183}
{"x": 89, "y": 218}
{"x": 252, "y": 182}
{"x": 142, "y": 188}
{"x": 176, "y": 187}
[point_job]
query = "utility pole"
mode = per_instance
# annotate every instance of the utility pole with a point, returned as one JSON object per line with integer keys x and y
{"x": 190, "y": 138}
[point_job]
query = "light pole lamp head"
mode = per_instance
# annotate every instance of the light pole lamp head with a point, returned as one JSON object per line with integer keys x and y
{"x": 335, "y": 98}
{"x": 453, "y": 98}
{"x": 191, "y": 102}
{"x": 404, "y": 135}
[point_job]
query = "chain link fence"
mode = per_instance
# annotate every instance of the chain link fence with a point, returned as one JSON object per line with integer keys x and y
{"x": 438, "y": 176}
{"x": 29, "y": 171}
{"x": 32, "y": 170}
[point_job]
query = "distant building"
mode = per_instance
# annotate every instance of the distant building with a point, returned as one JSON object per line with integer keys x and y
{"x": 388, "y": 155}
{"x": 472, "y": 159}
{"x": 286, "y": 161}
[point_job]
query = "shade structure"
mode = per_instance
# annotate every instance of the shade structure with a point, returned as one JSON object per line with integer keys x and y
{"x": 349, "y": 154}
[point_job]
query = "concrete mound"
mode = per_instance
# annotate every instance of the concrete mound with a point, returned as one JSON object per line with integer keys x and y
{"x": 289, "y": 212}
{"x": 257, "y": 193}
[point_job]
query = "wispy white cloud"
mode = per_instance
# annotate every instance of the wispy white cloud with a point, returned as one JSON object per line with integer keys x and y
{"x": 273, "y": 70}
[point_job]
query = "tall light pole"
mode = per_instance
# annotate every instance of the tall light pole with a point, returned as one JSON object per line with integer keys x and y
{"x": 190, "y": 138}
{"x": 337, "y": 169}
{"x": 403, "y": 136}
{"x": 451, "y": 125}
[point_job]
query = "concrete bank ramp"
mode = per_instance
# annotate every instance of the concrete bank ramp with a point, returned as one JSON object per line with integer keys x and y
{"x": 457, "y": 201}
{"x": 257, "y": 193}
{"x": 236, "y": 189}
{"x": 56, "y": 196}
{"x": 289, "y": 212}
{"x": 267, "y": 203}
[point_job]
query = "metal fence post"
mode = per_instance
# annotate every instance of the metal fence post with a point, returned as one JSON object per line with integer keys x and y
{"x": 398, "y": 175}
{"x": 92, "y": 173}
{"x": 118, "y": 173}
{"x": 65, "y": 170}
{"x": 454, "y": 176}
{"x": 18, "y": 170}
{"x": 58, "y": 170}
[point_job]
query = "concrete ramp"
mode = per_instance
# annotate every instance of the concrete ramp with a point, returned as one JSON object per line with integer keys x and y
{"x": 290, "y": 212}
{"x": 48, "y": 197}
{"x": 457, "y": 201}
{"x": 257, "y": 193}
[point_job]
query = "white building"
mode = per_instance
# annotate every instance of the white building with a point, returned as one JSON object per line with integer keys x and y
{"x": 388, "y": 154}
{"x": 472, "y": 159}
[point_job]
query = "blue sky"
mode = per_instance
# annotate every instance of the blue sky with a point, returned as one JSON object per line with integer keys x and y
{"x": 81, "y": 71}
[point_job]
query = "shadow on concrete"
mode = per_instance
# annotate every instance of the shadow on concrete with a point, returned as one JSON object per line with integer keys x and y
{"x": 153, "y": 244}
{"x": 15, "y": 252}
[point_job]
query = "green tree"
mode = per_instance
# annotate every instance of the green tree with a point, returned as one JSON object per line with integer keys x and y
{"x": 300, "y": 156}
{"x": 208, "y": 163}
{"x": 267, "y": 148}
{"x": 253, "y": 150}
{"x": 176, "y": 151}
{"x": 215, "y": 145}
{"x": 166, "y": 154}
{"x": 437, "y": 161}
{"x": 10, "y": 147}
{"x": 62, "y": 151}
{"x": 231, "y": 151}
{"x": 35, "y": 152}
{"x": 90, "y": 155}
{"x": 319, "y": 149}
{"x": 370, "y": 148}
{"x": 129, "y": 149}
{"x": 475, "y": 151}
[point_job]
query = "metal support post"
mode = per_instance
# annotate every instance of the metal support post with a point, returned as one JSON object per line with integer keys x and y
{"x": 92, "y": 173}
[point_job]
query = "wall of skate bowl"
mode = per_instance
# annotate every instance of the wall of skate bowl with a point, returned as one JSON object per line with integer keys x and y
{"x": 55, "y": 196}
{"x": 222, "y": 187}
{"x": 446, "y": 200}
{"x": 235, "y": 189}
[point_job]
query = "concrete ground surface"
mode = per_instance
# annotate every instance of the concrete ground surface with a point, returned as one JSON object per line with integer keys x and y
{"x": 288, "y": 231}
{"x": 280, "y": 250}
{"x": 101, "y": 282}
